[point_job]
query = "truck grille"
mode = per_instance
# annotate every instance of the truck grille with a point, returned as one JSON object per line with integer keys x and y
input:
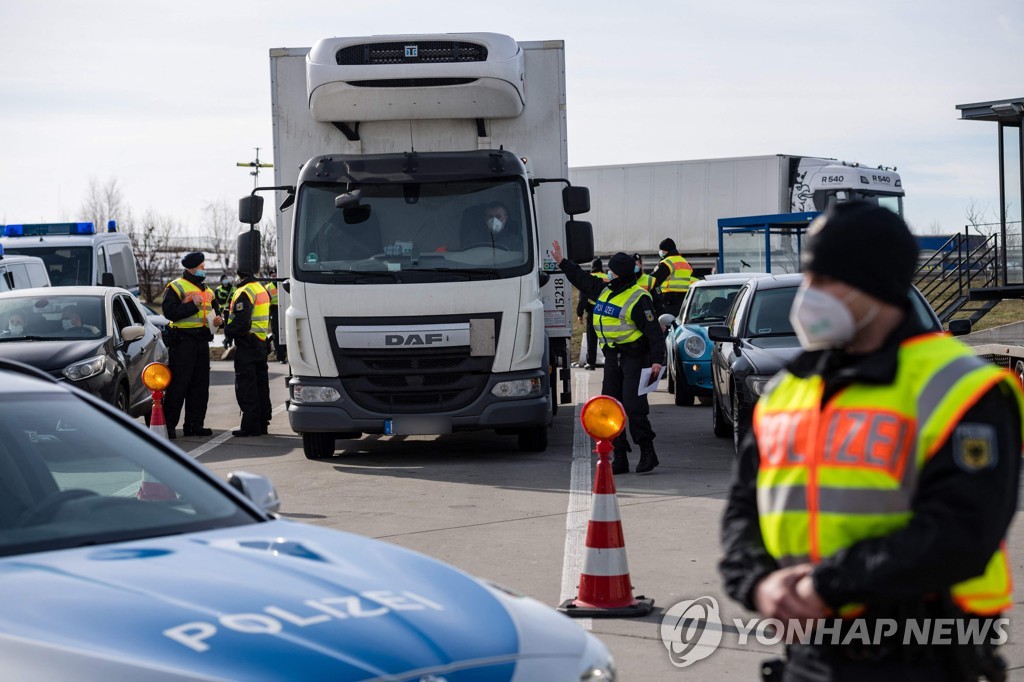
{"x": 424, "y": 52}
{"x": 411, "y": 82}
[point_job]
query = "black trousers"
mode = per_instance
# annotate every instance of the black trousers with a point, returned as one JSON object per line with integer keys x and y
{"x": 622, "y": 367}
{"x": 189, "y": 361}
{"x": 252, "y": 383}
{"x": 591, "y": 341}
{"x": 279, "y": 348}
{"x": 810, "y": 664}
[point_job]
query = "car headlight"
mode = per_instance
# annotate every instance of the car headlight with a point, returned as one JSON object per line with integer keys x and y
{"x": 694, "y": 346}
{"x": 757, "y": 384}
{"x": 314, "y": 394}
{"x": 84, "y": 369}
{"x": 598, "y": 664}
{"x": 518, "y": 388}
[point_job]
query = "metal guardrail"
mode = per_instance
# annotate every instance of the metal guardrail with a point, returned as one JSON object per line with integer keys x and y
{"x": 961, "y": 264}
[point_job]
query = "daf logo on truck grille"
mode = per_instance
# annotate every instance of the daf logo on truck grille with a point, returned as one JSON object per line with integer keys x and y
{"x": 402, "y": 336}
{"x": 412, "y": 51}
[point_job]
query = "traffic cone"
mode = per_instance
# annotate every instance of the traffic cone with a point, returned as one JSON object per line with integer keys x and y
{"x": 605, "y": 590}
{"x": 150, "y": 490}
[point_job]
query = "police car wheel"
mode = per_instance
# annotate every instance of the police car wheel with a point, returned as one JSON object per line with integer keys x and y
{"x": 533, "y": 439}
{"x": 318, "y": 445}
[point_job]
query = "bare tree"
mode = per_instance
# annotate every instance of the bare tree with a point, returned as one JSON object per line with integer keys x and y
{"x": 977, "y": 217}
{"x": 155, "y": 255}
{"x": 222, "y": 226}
{"x": 268, "y": 245}
{"x": 104, "y": 202}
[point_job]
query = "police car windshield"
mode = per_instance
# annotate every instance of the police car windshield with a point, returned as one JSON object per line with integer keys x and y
{"x": 416, "y": 232}
{"x": 74, "y": 476}
{"x": 52, "y": 317}
{"x": 66, "y": 265}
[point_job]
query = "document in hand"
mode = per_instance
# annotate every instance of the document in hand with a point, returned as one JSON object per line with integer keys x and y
{"x": 649, "y": 383}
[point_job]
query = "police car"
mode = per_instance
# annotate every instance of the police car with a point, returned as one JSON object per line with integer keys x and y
{"x": 122, "y": 558}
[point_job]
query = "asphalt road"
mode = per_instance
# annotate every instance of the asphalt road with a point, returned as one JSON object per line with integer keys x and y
{"x": 476, "y": 502}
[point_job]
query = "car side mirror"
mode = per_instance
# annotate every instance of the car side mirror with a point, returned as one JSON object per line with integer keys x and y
{"x": 257, "y": 488}
{"x": 960, "y": 327}
{"x": 133, "y": 333}
{"x": 719, "y": 332}
{"x": 107, "y": 279}
{"x": 667, "y": 319}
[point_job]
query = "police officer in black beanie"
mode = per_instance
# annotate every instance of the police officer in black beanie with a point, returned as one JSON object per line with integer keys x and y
{"x": 881, "y": 474}
{"x": 632, "y": 340}
{"x": 187, "y": 303}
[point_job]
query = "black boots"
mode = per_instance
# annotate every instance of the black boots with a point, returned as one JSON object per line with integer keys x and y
{"x": 648, "y": 459}
{"x": 620, "y": 462}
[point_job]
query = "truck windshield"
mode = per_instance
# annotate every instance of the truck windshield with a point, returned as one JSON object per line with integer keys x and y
{"x": 66, "y": 265}
{"x": 414, "y": 232}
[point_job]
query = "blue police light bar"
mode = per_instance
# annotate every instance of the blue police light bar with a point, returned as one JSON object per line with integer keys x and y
{"x": 40, "y": 229}
{"x": 111, "y": 226}
{"x": 1, "y": 250}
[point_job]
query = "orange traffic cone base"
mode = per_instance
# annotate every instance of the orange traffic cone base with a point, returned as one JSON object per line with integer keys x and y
{"x": 575, "y": 608}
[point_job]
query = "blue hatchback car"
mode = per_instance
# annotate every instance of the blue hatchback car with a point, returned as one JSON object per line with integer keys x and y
{"x": 707, "y": 302}
{"x": 123, "y": 559}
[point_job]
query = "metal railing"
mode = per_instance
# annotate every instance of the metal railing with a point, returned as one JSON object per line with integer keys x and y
{"x": 962, "y": 263}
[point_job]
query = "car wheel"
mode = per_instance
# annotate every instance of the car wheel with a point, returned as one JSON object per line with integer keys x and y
{"x": 739, "y": 422}
{"x": 671, "y": 376}
{"x": 719, "y": 425}
{"x": 533, "y": 439}
{"x": 684, "y": 396}
{"x": 121, "y": 399}
{"x": 318, "y": 445}
{"x": 553, "y": 374}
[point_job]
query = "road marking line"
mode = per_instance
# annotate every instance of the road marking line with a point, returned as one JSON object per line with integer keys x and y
{"x": 206, "y": 447}
{"x": 578, "y": 516}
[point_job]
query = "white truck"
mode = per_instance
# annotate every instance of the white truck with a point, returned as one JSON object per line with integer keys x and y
{"x": 635, "y": 206}
{"x": 421, "y": 295}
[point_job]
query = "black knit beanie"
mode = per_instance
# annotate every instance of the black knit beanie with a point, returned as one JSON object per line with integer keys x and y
{"x": 622, "y": 265}
{"x": 866, "y": 246}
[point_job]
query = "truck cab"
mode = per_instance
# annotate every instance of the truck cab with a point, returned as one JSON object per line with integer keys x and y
{"x": 76, "y": 254}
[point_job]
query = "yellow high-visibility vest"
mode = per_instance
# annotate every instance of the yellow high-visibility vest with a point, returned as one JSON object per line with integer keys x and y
{"x": 603, "y": 276}
{"x": 833, "y": 475}
{"x": 612, "y": 316}
{"x": 679, "y": 276}
{"x": 187, "y": 291}
{"x": 272, "y": 290}
{"x": 260, "y": 308}
{"x": 645, "y": 281}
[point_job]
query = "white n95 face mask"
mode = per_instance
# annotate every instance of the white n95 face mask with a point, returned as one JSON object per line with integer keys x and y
{"x": 495, "y": 224}
{"x": 66, "y": 324}
{"x": 16, "y": 328}
{"x": 821, "y": 320}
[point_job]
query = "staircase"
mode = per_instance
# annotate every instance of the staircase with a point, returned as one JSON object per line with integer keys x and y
{"x": 961, "y": 266}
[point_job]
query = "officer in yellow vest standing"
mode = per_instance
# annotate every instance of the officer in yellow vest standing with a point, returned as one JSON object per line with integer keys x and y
{"x": 585, "y": 313}
{"x": 632, "y": 340}
{"x": 186, "y": 303}
{"x": 672, "y": 277}
{"x": 249, "y": 326}
{"x": 880, "y": 476}
{"x": 280, "y": 351}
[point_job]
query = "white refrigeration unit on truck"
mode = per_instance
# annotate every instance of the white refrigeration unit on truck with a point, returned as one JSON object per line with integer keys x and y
{"x": 638, "y": 205}
{"x": 428, "y": 174}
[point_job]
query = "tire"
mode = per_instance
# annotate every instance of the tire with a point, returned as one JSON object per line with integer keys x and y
{"x": 533, "y": 439}
{"x": 719, "y": 425}
{"x": 552, "y": 379}
{"x": 739, "y": 426}
{"x": 684, "y": 396}
{"x": 318, "y": 445}
{"x": 121, "y": 399}
{"x": 672, "y": 379}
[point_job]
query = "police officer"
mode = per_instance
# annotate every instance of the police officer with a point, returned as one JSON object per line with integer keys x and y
{"x": 280, "y": 351}
{"x": 672, "y": 277}
{"x": 585, "y": 310}
{"x": 632, "y": 340}
{"x": 222, "y": 295}
{"x": 881, "y": 474}
{"x": 249, "y": 325}
{"x": 186, "y": 303}
{"x": 646, "y": 282}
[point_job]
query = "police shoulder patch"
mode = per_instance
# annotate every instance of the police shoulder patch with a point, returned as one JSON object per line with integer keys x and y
{"x": 974, "y": 447}
{"x": 649, "y": 314}
{"x": 239, "y": 306}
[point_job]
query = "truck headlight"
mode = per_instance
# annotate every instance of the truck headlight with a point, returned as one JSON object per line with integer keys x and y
{"x": 314, "y": 394}
{"x": 518, "y": 388}
{"x": 757, "y": 384}
{"x": 84, "y": 369}
{"x": 694, "y": 346}
{"x": 598, "y": 664}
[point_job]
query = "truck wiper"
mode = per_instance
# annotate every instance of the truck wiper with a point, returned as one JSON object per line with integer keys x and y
{"x": 374, "y": 277}
{"x": 464, "y": 273}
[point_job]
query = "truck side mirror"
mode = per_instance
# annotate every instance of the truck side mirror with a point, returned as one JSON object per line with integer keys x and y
{"x": 250, "y": 209}
{"x": 579, "y": 241}
{"x": 575, "y": 200}
{"x": 247, "y": 257}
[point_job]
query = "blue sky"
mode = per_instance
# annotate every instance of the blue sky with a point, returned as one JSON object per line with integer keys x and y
{"x": 168, "y": 96}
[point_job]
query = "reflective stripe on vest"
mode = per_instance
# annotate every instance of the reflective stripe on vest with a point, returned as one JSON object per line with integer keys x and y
{"x": 612, "y": 316}
{"x": 187, "y": 291}
{"x": 597, "y": 275}
{"x": 260, "y": 308}
{"x": 645, "y": 281}
{"x": 836, "y": 474}
{"x": 272, "y": 290}
{"x": 679, "y": 275}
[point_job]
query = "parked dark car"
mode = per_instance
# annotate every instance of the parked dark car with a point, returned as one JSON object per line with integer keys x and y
{"x": 96, "y": 338}
{"x": 756, "y": 342}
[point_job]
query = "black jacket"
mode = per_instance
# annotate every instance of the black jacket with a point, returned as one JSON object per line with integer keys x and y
{"x": 959, "y": 517}
{"x": 643, "y": 315}
{"x": 174, "y": 310}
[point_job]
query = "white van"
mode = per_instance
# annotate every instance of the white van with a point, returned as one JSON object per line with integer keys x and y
{"x": 21, "y": 272}
{"x": 75, "y": 254}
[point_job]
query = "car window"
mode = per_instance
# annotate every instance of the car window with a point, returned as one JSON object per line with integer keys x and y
{"x": 37, "y": 275}
{"x": 732, "y": 320}
{"x": 20, "y": 275}
{"x": 65, "y": 265}
{"x": 769, "y": 313}
{"x": 101, "y": 263}
{"x": 136, "y": 310}
{"x": 73, "y": 475}
{"x": 122, "y": 318}
{"x": 57, "y": 317}
{"x": 710, "y": 304}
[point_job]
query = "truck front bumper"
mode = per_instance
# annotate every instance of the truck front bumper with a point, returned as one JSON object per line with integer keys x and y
{"x": 487, "y": 411}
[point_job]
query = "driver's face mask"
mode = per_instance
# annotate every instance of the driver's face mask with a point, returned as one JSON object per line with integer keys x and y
{"x": 16, "y": 328}
{"x": 66, "y": 324}
{"x": 495, "y": 224}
